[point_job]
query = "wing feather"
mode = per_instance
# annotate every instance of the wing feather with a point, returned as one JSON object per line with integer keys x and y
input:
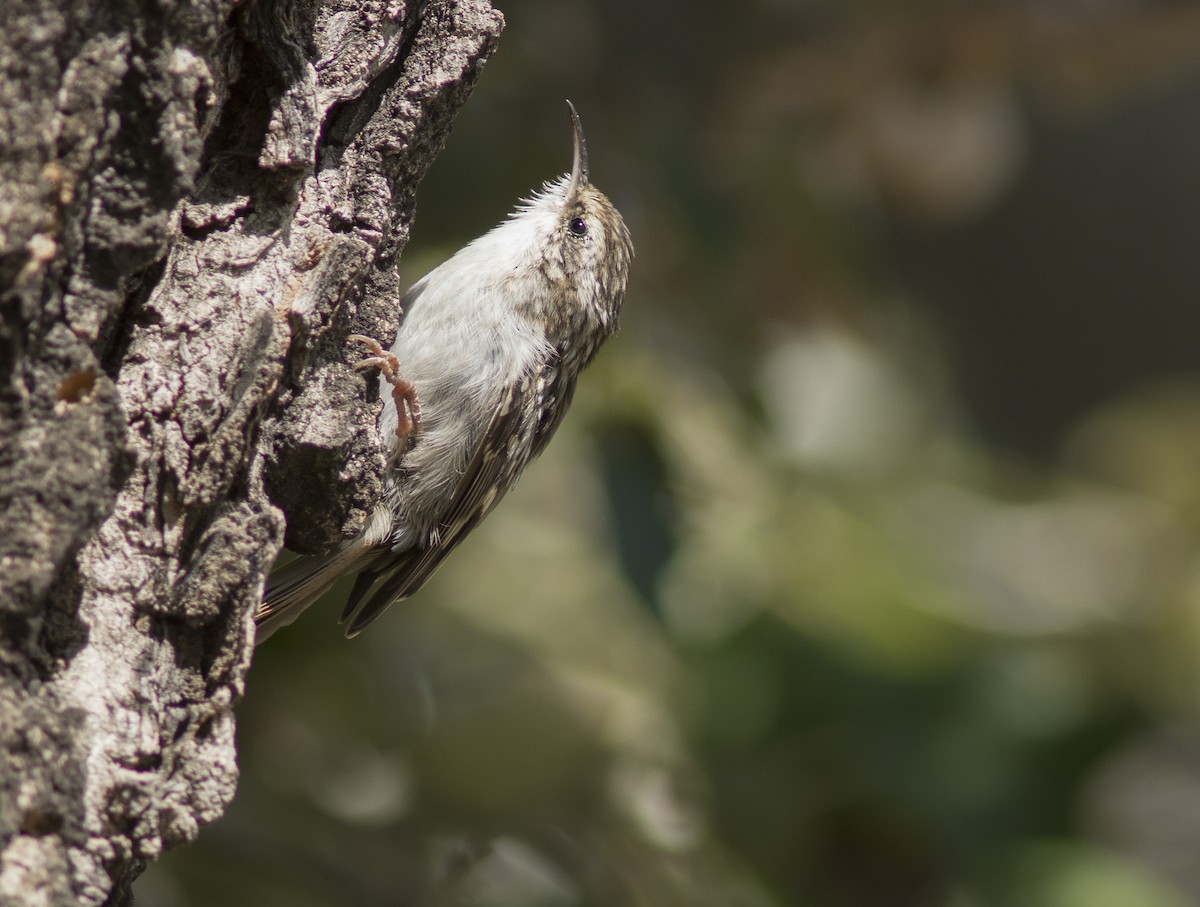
{"x": 539, "y": 399}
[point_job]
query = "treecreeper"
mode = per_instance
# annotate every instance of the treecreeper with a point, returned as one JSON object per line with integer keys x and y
{"x": 483, "y": 369}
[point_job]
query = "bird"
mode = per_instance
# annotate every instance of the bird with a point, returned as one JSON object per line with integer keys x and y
{"x": 484, "y": 366}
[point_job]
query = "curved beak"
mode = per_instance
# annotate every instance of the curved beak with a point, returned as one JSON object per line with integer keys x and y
{"x": 579, "y": 168}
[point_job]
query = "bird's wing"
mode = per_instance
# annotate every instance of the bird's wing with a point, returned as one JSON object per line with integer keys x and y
{"x": 538, "y": 401}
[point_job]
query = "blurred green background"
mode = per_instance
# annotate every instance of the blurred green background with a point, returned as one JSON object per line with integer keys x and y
{"x": 865, "y": 570}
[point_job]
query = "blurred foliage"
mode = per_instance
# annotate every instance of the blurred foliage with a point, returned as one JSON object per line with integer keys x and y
{"x": 865, "y": 571}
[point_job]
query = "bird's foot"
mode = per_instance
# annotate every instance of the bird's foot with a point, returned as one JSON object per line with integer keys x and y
{"x": 404, "y": 392}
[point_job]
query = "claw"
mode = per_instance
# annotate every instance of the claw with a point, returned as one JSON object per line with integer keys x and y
{"x": 404, "y": 392}
{"x": 386, "y": 364}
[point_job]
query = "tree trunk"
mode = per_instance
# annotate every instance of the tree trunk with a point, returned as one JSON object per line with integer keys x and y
{"x": 198, "y": 202}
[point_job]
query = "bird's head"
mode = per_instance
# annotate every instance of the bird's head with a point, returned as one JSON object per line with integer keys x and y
{"x": 572, "y": 239}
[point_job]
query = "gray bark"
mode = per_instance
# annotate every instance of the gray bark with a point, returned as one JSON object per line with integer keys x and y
{"x": 198, "y": 202}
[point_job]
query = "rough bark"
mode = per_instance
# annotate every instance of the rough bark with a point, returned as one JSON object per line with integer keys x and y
{"x": 199, "y": 200}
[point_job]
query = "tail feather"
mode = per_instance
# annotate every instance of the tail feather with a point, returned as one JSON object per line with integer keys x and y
{"x": 296, "y": 585}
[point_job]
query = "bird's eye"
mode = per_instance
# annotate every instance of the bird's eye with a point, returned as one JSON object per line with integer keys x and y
{"x": 578, "y": 226}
